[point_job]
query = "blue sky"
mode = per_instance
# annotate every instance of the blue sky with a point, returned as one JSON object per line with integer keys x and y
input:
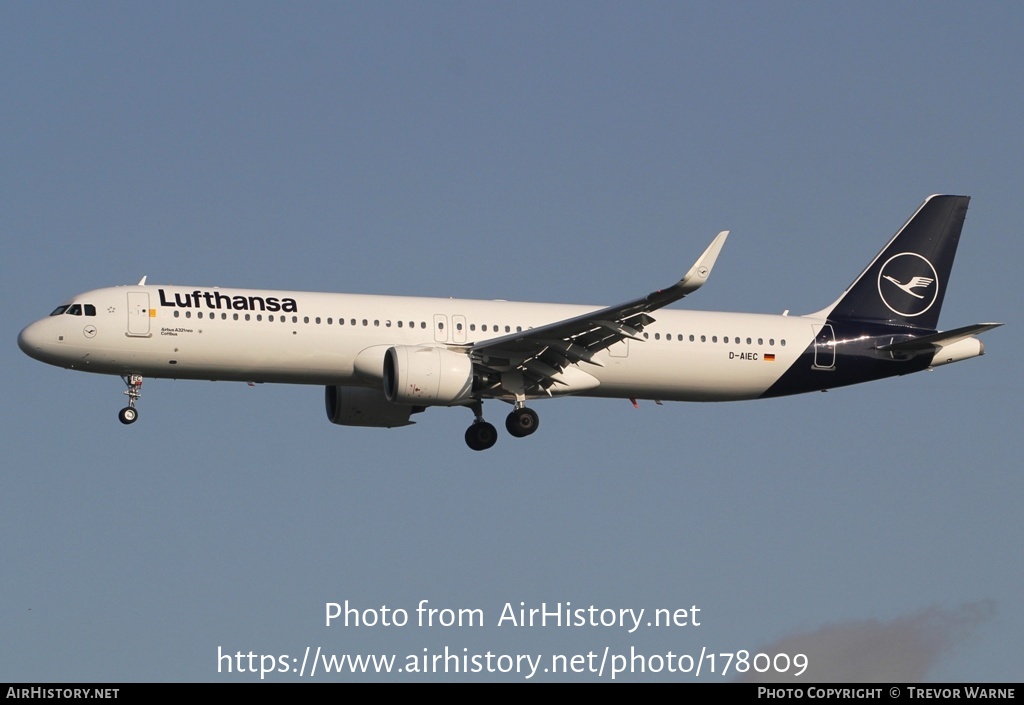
{"x": 577, "y": 152}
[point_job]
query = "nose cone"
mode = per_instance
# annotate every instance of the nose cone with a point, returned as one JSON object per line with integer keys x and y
{"x": 32, "y": 340}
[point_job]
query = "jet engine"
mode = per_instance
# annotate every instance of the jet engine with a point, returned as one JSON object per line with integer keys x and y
{"x": 358, "y": 406}
{"x": 425, "y": 375}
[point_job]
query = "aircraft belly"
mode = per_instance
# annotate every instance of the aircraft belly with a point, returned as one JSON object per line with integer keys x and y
{"x": 269, "y": 356}
{"x": 702, "y": 373}
{"x": 192, "y": 352}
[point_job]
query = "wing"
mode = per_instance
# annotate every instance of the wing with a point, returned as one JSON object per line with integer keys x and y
{"x": 541, "y": 355}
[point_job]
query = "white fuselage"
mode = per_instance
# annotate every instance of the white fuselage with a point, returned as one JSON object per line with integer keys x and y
{"x": 337, "y": 339}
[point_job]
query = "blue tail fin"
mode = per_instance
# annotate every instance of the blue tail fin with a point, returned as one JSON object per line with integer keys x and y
{"x": 906, "y": 282}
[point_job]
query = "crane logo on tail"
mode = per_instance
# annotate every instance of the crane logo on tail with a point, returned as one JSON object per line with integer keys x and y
{"x": 907, "y": 283}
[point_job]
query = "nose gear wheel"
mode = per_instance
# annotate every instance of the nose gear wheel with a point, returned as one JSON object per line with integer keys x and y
{"x": 129, "y": 414}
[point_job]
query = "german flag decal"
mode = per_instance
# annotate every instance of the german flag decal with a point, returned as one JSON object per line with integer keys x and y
{"x": 769, "y": 357}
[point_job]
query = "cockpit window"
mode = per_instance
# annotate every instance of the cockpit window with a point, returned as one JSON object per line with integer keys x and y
{"x": 74, "y": 310}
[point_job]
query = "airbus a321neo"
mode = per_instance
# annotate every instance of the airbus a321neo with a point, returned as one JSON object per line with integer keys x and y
{"x": 382, "y": 359}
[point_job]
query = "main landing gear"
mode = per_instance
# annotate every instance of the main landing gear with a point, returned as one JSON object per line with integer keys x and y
{"x": 481, "y": 435}
{"x": 128, "y": 414}
{"x": 520, "y": 423}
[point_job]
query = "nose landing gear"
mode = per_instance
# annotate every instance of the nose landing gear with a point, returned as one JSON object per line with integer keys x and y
{"x": 129, "y": 414}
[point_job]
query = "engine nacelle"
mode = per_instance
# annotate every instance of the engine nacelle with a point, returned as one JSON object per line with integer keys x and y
{"x": 425, "y": 375}
{"x": 358, "y": 406}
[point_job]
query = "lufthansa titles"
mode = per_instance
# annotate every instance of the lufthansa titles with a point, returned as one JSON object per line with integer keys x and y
{"x": 217, "y": 300}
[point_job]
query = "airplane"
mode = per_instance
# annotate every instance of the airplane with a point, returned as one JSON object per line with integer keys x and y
{"x": 382, "y": 359}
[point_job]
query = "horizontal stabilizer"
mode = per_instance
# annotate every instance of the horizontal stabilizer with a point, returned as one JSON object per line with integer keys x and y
{"x": 937, "y": 340}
